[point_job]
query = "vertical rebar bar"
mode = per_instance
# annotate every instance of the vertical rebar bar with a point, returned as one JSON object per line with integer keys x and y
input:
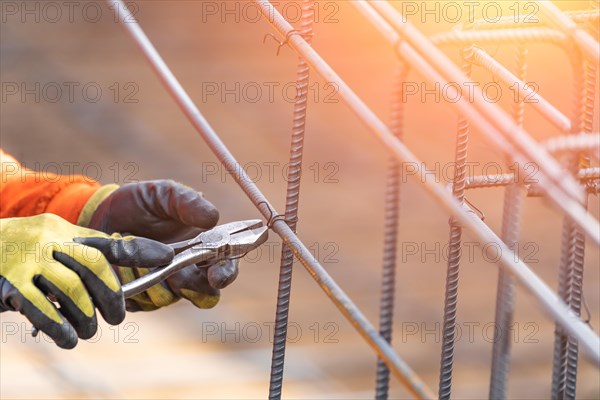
{"x": 390, "y": 234}
{"x": 454, "y": 246}
{"x": 566, "y": 348}
{"x": 564, "y": 372}
{"x": 291, "y": 207}
{"x": 510, "y": 236}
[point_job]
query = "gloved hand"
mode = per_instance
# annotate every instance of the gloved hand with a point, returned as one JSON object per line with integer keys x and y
{"x": 47, "y": 257}
{"x": 170, "y": 212}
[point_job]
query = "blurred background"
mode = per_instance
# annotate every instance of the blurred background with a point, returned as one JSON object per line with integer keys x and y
{"x": 77, "y": 96}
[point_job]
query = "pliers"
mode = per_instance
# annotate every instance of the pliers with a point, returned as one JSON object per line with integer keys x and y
{"x": 227, "y": 241}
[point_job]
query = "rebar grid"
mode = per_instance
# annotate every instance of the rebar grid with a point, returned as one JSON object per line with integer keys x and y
{"x": 521, "y": 271}
{"x": 563, "y": 189}
{"x": 491, "y": 120}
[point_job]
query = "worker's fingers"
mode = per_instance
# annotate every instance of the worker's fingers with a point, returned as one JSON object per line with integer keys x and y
{"x": 181, "y": 203}
{"x": 223, "y": 273}
{"x": 100, "y": 281}
{"x": 130, "y": 251}
{"x": 33, "y": 304}
{"x": 191, "y": 283}
{"x": 163, "y": 210}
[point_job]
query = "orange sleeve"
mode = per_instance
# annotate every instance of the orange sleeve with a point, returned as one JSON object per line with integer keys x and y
{"x": 25, "y": 193}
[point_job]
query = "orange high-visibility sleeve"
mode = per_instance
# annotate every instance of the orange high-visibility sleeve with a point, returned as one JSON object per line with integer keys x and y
{"x": 25, "y": 193}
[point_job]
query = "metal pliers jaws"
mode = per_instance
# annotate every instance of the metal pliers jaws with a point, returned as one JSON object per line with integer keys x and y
{"x": 227, "y": 241}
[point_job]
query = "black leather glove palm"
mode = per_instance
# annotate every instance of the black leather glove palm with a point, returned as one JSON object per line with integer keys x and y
{"x": 169, "y": 212}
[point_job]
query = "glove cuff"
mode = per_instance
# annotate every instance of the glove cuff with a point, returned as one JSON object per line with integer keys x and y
{"x": 93, "y": 202}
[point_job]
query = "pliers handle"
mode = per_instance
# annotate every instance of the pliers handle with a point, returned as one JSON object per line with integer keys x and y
{"x": 231, "y": 240}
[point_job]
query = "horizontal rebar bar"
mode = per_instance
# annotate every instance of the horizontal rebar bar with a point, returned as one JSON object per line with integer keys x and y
{"x": 396, "y": 364}
{"x": 542, "y": 292}
{"x": 500, "y": 36}
{"x": 589, "y": 173}
{"x": 486, "y": 181}
{"x": 581, "y": 142}
{"x": 525, "y": 92}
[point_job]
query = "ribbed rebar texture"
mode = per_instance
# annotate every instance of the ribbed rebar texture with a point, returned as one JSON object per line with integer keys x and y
{"x": 500, "y": 36}
{"x": 487, "y": 181}
{"x": 390, "y": 235}
{"x": 510, "y": 236}
{"x": 454, "y": 246}
{"x": 588, "y": 143}
{"x": 291, "y": 207}
{"x": 566, "y": 348}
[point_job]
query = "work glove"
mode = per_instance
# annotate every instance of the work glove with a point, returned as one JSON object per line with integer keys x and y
{"x": 46, "y": 260}
{"x": 170, "y": 212}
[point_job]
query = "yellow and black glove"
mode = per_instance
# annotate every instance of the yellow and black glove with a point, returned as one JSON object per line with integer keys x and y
{"x": 45, "y": 257}
{"x": 170, "y": 212}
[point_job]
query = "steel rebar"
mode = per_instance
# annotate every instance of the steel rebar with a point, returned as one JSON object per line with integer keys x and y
{"x": 422, "y": 66}
{"x": 396, "y": 364}
{"x": 390, "y": 234}
{"x": 486, "y": 181}
{"x": 291, "y": 207}
{"x": 454, "y": 246}
{"x": 492, "y": 121}
{"x": 510, "y": 235}
{"x": 524, "y": 91}
{"x": 583, "y": 142}
{"x": 566, "y": 349}
{"x": 588, "y": 45}
{"x": 501, "y": 36}
{"x": 531, "y": 281}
